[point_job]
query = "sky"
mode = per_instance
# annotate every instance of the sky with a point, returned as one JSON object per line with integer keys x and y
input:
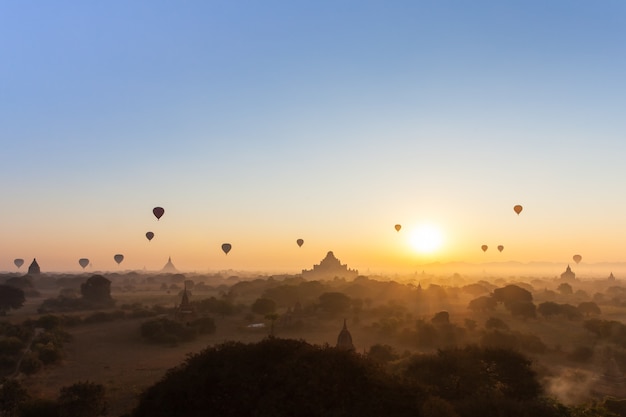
{"x": 260, "y": 122}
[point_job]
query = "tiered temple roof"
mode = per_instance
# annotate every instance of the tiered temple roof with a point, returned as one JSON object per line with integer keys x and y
{"x": 329, "y": 268}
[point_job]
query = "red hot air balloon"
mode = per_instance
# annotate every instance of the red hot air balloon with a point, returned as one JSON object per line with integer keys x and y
{"x": 158, "y": 212}
{"x": 500, "y": 248}
{"x": 226, "y": 247}
{"x": 484, "y": 248}
{"x": 18, "y": 262}
{"x": 83, "y": 262}
{"x": 518, "y": 209}
{"x": 119, "y": 258}
{"x": 398, "y": 227}
{"x": 149, "y": 235}
{"x": 577, "y": 258}
{"x": 300, "y": 242}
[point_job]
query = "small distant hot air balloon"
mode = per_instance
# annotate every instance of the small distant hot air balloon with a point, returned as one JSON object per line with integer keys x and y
{"x": 300, "y": 242}
{"x": 119, "y": 258}
{"x": 518, "y": 209}
{"x": 577, "y": 258}
{"x": 484, "y": 248}
{"x": 500, "y": 248}
{"x": 226, "y": 247}
{"x": 149, "y": 235}
{"x": 83, "y": 262}
{"x": 18, "y": 262}
{"x": 158, "y": 212}
{"x": 398, "y": 227}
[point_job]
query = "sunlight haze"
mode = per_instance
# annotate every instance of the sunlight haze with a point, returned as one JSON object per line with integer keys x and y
{"x": 260, "y": 123}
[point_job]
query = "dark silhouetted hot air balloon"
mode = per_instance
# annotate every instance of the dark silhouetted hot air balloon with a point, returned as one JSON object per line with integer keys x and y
{"x": 149, "y": 235}
{"x": 226, "y": 247}
{"x": 484, "y": 248}
{"x": 83, "y": 262}
{"x": 158, "y": 212}
{"x": 577, "y": 258}
{"x": 398, "y": 227}
{"x": 300, "y": 242}
{"x": 500, "y": 248}
{"x": 518, "y": 209}
{"x": 119, "y": 258}
{"x": 18, "y": 262}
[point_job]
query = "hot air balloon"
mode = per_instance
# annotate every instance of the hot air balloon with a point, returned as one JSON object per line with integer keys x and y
{"x": 577, "y": 258}
{"x": 518, "y": 209}
{"x": 398, "y": 227}
{"x": 83, "y": 262}
{"x": 484, "y": 248}
{"x": 18, "y": 262}
{"x": 149, "y": 235}
{"x": 119, "y": 258}
{"x": 300, "y": 242}
{"x": 158, "y": 212}
{"x": 226, "y": 247}
{"x": 500, "y": 248}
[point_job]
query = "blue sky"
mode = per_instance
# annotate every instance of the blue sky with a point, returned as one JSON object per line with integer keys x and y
{"x": 262, "y": 122}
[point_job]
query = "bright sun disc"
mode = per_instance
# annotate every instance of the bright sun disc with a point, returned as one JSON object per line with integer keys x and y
{"x": 426, "y": 238}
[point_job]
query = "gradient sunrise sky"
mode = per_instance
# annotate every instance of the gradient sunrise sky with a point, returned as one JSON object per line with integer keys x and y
{"x": 261, "y": 122}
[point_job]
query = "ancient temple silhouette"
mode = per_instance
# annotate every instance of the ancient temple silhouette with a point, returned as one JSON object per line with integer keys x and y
{"x": 185, "y": 311}
{"x": 568, "y": 275}
{"x": 34, "y": 268}
{"x": 329, "y": 268}
{"x": 344, "y": 340}
{"x": 169, "y": 266}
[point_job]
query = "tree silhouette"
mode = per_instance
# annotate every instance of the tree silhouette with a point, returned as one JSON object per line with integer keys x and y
{"x": 10, "y": 298}
{"x": 97, "y": 289}
{"x": 83, "y": 399}
{"x": 277, "y": 378}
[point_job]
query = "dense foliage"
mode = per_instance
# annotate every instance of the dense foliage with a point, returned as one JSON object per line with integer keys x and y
{"x": 279, "y": 377}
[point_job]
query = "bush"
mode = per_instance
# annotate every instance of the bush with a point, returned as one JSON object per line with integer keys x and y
{"x": 83, "y": 399}
{"x": 166, "y": 331}
{"x": 30, "y": 363}
{"x": 11, "y": 345}
{"x": 49, "y": 354}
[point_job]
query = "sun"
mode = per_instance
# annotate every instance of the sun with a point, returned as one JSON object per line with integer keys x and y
{"x": 426, "y": 238}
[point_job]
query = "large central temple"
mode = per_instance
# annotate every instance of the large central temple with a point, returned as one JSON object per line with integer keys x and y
{"x": 329, "y": 268}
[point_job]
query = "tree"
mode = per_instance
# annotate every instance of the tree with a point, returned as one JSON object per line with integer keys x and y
{"x": 97, "y": 289}
{"x": 382, "y": 353}
{"x": 589, "y": 308}
{"x": 565, "y": 289}
{"x": 524, "y": 309}
{"x": 483, "y": 304}
{"x": 334, "y": 302}
{"x": 83, "y": 399}
{"x": 279, "y": 378}
{"x": 443, "y": 317}
{"x": 511, "y": 294}
{"x": 496, "y": 323}
{"x": 263, "y": 306}
{"x": 10, "y": 298}
{"x": 12, "y": 395}
{"x": 549, "y": 309}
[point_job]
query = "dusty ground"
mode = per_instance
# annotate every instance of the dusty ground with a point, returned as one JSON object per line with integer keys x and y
{"x": 114, "y": 355}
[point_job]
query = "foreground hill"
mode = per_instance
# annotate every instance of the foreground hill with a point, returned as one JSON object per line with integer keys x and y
{"x": 281, "y": 377}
